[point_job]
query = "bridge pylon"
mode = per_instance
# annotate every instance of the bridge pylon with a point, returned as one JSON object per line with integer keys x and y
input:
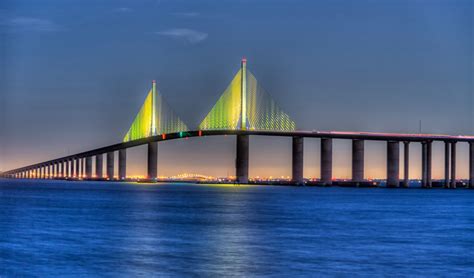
{"x": 154, "y": 118}
{"x": 245, "y": 105}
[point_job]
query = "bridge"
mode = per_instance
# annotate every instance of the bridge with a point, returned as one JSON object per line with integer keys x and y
{"x": 245, "y": 109}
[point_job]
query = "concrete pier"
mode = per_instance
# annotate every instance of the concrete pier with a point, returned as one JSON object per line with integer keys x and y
{"x": 453, "y": 165}
{"x": 242, "y": 159}
{"x": 297, "y": 160}
{"x": 68, "y": 167}
{"x": 61, "y": 169}
{"x": 110, "y": 165}
{"x": 88, "y": 167}
{"x": 152, "y": 164}
{"x": 424, "y": 161}
{"x": 393, "y": 164}
{"x": 357, "y": 160}
{"x": 429, "y": 164}
{"x": 326, "y": 161}
{"x": 83, "y": 168}
{"x": 446, "y": 164}
{"x": 471, "y": 165}
{"x": 78, "y": 163}
{"x": 122, "y": 164}
{"x": 99, "y": 166}
{"x": 406, "y": 164}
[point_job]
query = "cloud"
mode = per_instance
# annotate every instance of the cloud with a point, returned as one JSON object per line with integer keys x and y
{"x": 189, "y": 35}
{"x": 31, "y": 24}
{"x": 123, "y": 10}
{"x": 186, "y": 14}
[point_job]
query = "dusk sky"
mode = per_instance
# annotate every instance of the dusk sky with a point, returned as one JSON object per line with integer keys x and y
{"x": 73, "y": 75}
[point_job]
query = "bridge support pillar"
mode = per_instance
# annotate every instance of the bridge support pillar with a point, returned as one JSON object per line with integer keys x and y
{"x": 99, "y": 166}
{"x": 122, "y": 164}
{"x": 453, "y": 165}
{"x": 471, "y": 165}
{"x": 429, "y": 164}
{"x": 152, "y": 160}
{"x": 46, "y": 171}
{"x": 393, "y": 164}
{"x": 446, "y": 164}
{"x": 68, "y": 168}
{"x": 326, "y": 161}
{"x": 78, "y": 163}
{"x": 406, "y": 164}
{"x": 297, "y": 160}
{"x": 83, "y": 167}
{"x": 357, "y": 161}
{"x": 61, "y": 169}
{"x": 88, "y": 167}
{"x": 242, "y": 159}
{"x": 110, "y": 165}
{"x": 424, "y": 162}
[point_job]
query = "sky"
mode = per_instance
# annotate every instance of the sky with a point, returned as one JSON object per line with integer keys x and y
{"x": 73, "y": 75}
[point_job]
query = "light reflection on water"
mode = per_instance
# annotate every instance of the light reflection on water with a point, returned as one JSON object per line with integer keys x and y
{"x": 50, "y": 228}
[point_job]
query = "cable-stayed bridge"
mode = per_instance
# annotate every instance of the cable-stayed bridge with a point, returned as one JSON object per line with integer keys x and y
{"x": 245, "y": 109}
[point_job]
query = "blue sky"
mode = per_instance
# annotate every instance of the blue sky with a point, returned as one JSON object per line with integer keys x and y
{"x": 75, "y": 73}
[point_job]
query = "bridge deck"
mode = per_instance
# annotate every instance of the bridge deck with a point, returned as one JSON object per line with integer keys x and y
{"x": 374, "y": 136}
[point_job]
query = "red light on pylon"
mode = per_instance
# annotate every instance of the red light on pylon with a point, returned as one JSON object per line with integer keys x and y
{"x": 163, "y": 136}
{"x": 200, "y": 133}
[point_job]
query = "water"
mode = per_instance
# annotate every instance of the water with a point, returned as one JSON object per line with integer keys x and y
{"x": 57, "y": 228}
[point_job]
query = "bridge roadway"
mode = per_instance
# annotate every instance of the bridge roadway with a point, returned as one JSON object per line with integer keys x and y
{"x": 64, "y": 167}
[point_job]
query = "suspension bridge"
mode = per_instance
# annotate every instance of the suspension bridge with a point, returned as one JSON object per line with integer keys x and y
{"x": 245, "y": 109}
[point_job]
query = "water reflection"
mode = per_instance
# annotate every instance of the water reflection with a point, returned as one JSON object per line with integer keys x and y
{"x": 51, "y": 228}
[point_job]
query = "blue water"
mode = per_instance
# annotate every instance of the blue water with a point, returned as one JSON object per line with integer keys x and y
{"x": 57, "y": 228}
